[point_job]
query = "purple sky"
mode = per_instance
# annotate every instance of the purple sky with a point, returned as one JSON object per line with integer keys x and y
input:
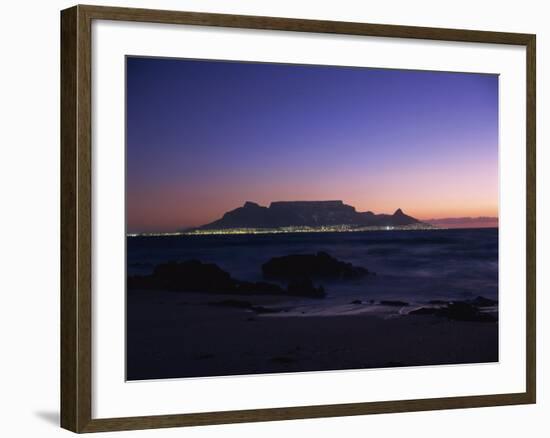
{"x": 203, "y": 137}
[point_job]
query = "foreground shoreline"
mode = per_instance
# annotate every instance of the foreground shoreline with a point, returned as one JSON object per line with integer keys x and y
{"x": 178, "y": 335}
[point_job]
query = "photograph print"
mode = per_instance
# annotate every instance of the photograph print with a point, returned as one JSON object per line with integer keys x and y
{"x": 304, "y": 218}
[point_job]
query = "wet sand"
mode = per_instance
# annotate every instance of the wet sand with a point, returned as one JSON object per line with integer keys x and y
{"x": 179, "y": 334}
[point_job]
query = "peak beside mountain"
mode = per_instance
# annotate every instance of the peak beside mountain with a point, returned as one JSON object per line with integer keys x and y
{"x": 400, "y": 218}
{"x": 305, "y": 213}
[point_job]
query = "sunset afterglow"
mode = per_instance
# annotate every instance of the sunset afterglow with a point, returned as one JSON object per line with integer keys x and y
{"x": 203, "y": 137}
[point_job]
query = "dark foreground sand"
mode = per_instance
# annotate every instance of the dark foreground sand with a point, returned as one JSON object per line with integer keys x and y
{"x": 178, "y": 334}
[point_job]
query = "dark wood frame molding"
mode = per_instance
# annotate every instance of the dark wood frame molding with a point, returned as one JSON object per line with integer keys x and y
{"x": 76, "y": 311}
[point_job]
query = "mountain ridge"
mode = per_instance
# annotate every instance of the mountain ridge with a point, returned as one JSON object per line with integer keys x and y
{"x": 305, "y": 214}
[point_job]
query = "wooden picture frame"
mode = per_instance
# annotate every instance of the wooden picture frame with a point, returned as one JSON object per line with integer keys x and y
{"x": 76, "y": 218}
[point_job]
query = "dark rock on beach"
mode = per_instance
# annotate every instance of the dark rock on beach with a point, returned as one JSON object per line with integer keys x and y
{"x": 483, "y": 302}
{"x": 320, "y": 265}
{"x": 394, "y": 303}
{"x": 195, "y": 276}
{"x": 460, "y": 311}
{"x": 304, "y": 286}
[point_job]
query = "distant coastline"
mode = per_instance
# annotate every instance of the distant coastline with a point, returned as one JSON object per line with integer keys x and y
{"x": 465, "y": 222}
{"x": 287, "y": 217}
{"x": 289, "y": 230}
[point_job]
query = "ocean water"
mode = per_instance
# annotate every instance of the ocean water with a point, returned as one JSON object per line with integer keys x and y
{"x": 412, "y": 266}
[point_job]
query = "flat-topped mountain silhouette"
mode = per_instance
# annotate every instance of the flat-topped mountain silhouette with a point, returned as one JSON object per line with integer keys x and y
{"x": 305, "y": 214}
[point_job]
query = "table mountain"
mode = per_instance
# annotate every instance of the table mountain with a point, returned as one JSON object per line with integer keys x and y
{"x": 305, "y": 214}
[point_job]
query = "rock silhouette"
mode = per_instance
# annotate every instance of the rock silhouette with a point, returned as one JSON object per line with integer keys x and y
{"x": 394, "y": 303}
{"x": 195, "y": 276}
{"x": 460, "y": 310}
{"x": 320, "y": 265}
{"x": 304, "y": 286}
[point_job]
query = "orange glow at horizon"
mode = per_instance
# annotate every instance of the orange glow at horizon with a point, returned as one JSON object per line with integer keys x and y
{"x": 420, "y": 191}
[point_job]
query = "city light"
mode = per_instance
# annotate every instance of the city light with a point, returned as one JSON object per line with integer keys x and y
{"x": 292, "y": 229}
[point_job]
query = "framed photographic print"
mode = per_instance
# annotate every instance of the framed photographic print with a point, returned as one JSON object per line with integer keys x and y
{"x": 271, "y": 218}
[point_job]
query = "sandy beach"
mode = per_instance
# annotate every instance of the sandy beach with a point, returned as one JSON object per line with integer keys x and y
{"x": 181, "y": 334}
